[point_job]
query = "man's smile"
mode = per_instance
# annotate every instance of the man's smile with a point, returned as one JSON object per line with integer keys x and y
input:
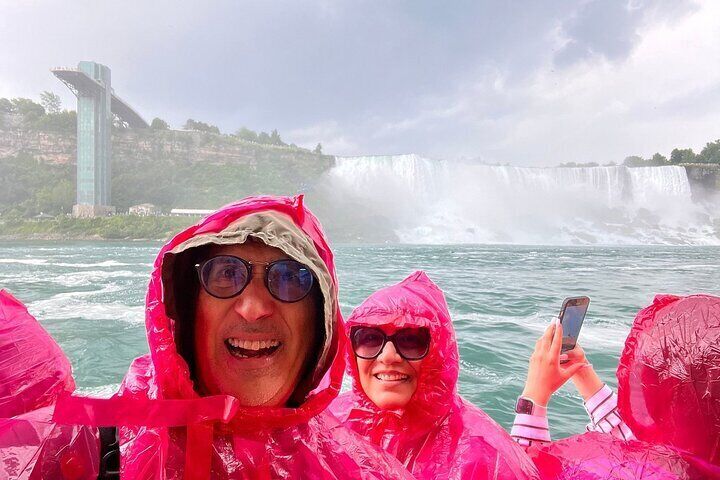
{"x": 242, "y": 349}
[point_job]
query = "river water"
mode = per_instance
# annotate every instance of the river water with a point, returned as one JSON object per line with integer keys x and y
{"x": 90, "y": 296}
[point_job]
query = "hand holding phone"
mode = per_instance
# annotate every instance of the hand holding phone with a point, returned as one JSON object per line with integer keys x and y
{"x": 545, "y": 372}
{"x": 571, "y": 318}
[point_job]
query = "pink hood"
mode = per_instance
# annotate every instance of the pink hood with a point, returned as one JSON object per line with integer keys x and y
{"x": 34, "y": 372}
{"x": 669, "y": 375}
{"x": 170, "y": 432}
{"x": 439, "y": 434}
{"x": 669, "y": 396}
{"x": 259, "y": 217}
{"x": 33, "y": 369}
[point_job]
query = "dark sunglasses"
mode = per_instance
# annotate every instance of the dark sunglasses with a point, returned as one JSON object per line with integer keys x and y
{"x": 410, "y": 343}
{"x": 226, "y": 276}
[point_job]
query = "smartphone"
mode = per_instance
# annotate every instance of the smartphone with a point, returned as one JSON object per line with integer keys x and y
{"x": 571, "y": 317}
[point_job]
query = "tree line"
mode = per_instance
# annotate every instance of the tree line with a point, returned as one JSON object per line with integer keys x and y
{"x": 244, "y": 133}
{"x": 709, "y": 154}
{"x": 49, "y": 116}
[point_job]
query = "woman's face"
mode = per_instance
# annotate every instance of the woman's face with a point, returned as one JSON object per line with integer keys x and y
{"x": 389, "y": 380}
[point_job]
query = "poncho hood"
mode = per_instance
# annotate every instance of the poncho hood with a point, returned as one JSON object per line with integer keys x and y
{"x": 414, "y": 302}
{"x": 280, "y": 222}
{"x": 34, "y": 372}
{"x": 669, "y": 374}
{"x": 438, "y": 434}
{"x": 33, "y": 368}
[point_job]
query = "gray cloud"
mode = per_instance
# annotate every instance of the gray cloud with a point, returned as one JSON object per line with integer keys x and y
{"x": 441, "y": 79}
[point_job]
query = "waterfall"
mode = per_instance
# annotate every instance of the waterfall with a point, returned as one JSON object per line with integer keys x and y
{"x": 429, "y": 201}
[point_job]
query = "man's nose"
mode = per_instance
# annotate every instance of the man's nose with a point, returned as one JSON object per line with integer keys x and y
{"x": 255, "y": 302}
{"x": 389, "y": 354}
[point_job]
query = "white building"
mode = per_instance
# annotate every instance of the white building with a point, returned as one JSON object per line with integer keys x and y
{"x": 190, "y": 212}
{"x": 144, "y": 210}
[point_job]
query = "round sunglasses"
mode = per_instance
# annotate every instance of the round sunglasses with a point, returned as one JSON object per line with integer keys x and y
{"x": 410, "y": 343}
{"x": 226, "y": 276}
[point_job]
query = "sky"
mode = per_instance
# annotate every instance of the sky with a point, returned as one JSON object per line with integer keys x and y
{"x": 524, "y": 83}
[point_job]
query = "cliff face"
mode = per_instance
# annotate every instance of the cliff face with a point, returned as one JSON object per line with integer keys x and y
{"x": 50, "y": 148}
{"x": 170, "y": 169}
{"x": 181, "y": 147}
{"x": 704, "y": 179}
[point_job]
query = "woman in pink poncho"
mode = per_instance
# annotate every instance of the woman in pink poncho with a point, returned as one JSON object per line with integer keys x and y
{"x": 404, "y": 392}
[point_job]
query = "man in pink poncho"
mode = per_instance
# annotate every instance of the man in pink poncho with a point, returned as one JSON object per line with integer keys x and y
{"x": 404, "y": 364}
{"x": 246, "y": 344}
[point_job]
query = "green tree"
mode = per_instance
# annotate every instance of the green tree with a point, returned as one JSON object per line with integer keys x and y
{"x": 63, "y": 122}
{"x": 685, "y": 155}
{"x": 28, "y": 110}
{"x": 56, "y": 198}
{"x": 6, "y": 105}
{"x": 711, "y": 153}
{"x": 159, "y": 124}
{"x": 276, "y": 140}
{"x": 201, "y": 127}
{"x": 247, "y": 135}
{"x": 634, "y": 161}
{"x": 51, "y": 102}
{"x": 264, "y": 138}
{"x": 658, "y": 160}
{"x": 318, "y": 149}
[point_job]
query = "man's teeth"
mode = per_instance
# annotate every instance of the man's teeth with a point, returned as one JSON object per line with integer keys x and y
{"x": 391, "y": 377}
{"x": 252, "y": 344}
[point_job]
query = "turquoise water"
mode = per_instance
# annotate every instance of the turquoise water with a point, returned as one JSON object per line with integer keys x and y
{"x": 90, "y": 296}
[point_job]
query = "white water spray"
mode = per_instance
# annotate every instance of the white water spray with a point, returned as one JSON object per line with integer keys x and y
{"x": 429, "y": 201}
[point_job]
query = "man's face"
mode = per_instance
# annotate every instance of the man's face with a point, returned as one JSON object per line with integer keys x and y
{"x": 389, "y": 380}
{"x": 253, "y": 346}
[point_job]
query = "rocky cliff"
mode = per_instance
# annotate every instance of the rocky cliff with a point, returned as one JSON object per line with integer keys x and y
{"x": 181, "y": 147}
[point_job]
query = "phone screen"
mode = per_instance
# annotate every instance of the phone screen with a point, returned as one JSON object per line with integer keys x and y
{"x": 572, "y": 319}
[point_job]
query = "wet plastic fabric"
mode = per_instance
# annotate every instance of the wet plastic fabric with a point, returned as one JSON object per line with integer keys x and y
{"x": 599, "y": 456}
{"x": 669, "y": 396}
{"x": 33, "y": 373}
{"x": 669, "y": 375}
{"x": 33, "y": 369}
{"x": 439, "y": 434}
{"x": 170, "y": 432}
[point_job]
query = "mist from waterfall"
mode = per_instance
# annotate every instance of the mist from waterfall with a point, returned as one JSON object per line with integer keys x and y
{"x": 428, "y": 201}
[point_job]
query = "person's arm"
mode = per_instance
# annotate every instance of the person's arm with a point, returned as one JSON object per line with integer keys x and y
{"x": 599, "y": 400}
{"x": 545, "y": 375}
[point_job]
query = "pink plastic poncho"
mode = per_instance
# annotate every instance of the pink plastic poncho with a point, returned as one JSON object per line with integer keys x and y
{"x": 669, "y": 375}
{"x": 439, "y": 434}
{"x": 599, "y": 456}
{"x": 669, "y": 396}
{"x": 33, "y": 373}
{"x": 171, "y": 432}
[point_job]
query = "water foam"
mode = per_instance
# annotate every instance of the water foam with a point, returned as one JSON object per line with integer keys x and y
{"x": 88, "y": 305}
{"x": 24, "y": 261}
{"x": 441, "y": 202}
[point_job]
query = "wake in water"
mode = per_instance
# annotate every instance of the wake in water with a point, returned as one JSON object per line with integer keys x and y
{"x": 417, "y": 200}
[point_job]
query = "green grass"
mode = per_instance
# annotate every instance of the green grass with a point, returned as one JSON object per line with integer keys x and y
{"x": 120, "y": 227}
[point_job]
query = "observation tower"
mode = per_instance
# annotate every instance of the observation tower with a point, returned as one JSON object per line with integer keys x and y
{"x": 96, "y": 105}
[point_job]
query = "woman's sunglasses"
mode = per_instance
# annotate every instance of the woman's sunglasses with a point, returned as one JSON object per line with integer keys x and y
{"x": 226, "y": 276}
{"x": 410, "y": 343}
